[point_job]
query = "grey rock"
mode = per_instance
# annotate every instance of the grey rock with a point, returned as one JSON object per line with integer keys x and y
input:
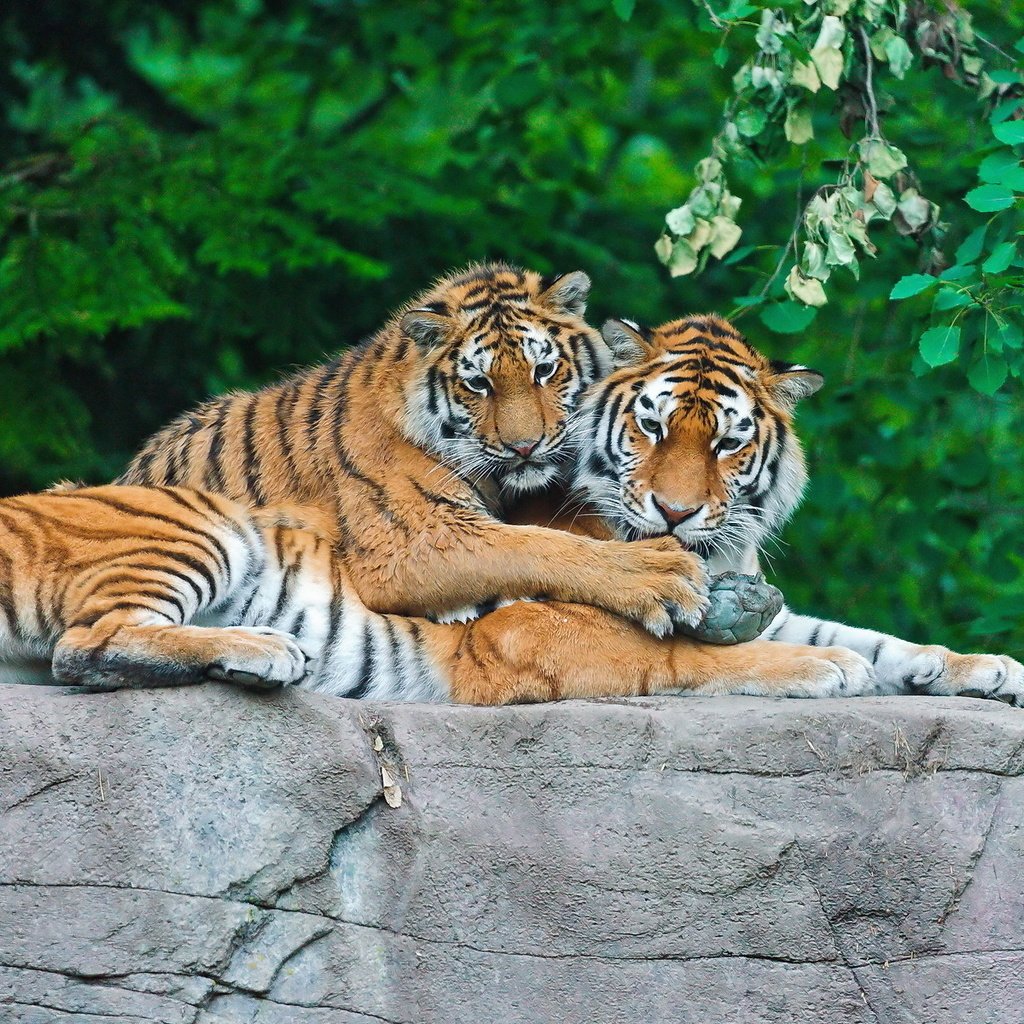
{"x": 742, "y": 608}
{"x": 214, "y": 856}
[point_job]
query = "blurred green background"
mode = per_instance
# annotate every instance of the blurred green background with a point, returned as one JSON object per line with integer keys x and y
{"x": 198, "y": 196}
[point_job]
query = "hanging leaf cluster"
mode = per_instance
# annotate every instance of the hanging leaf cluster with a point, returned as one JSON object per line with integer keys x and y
{"x": 828, "y": 64}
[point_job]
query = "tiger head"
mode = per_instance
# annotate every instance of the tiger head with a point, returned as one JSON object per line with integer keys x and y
{"x": 504, "y": 356}
{"x": 692, "y": 434}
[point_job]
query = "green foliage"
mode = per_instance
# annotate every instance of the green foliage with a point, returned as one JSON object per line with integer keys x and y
{"x": 196, "y": 196}
{"x": 846, "y": 47}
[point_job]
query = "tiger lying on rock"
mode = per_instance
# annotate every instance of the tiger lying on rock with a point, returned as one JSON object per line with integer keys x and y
{"x": 693, "y": 435}
{"x": 129, "y": 586}
{"x": 413, "y": 441}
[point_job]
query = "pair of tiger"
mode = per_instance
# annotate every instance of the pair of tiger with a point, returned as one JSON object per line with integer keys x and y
{"x": 314, "y": 532}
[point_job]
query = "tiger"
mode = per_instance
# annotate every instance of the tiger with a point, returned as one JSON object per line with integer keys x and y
{"x": 692, "y": 437}
{"x": 414, "y": 442}
{"x": 126, "y": 586}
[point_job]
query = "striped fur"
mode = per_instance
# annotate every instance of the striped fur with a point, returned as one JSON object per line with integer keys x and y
{"x": 131, "y": 586}
{"x": 412, "y": 442}
{"x": 693, "y": 436}
{"x": 128, "y": 586}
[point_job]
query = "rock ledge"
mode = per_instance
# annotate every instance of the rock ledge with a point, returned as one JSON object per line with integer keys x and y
{"x": 205, "y": 856}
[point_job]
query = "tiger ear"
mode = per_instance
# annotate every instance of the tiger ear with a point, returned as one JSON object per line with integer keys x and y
{"x": 789, "y": 382}
{"x": 566, "y": 293}
{"x": 628, "y": 341}
{"x": 427, "y": 327}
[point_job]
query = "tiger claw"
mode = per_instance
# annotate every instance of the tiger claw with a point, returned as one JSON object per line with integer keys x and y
{"x": 240, "y": 678}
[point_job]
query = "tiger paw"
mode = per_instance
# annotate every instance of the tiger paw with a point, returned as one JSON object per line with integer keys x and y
{"x": 741, "y": 609}
{"x": 258, "y": 657}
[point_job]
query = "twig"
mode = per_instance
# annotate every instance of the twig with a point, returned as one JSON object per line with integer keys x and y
{"x": 715, "y": 20}
{"x": 791, "y": 242}
{"x": 869, "y": 86}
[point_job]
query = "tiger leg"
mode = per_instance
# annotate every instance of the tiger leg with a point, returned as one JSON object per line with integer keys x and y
{"x": 904, "y": 667}
{"x": 534, "y": 651}
{"x": 136, "y": 647}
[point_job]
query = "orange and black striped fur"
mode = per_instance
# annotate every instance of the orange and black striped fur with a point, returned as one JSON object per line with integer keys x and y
{"x": 692, "y": 436}
{"x": 412, "y": 443}
{"x": 131, "y": 586}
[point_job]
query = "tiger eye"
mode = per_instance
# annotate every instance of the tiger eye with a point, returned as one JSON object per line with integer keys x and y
{"x": 652, "y": 427}
{"x": 542, "y": 371}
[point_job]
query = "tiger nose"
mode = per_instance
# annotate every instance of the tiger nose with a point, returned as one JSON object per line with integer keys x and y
{"x": 523, "y": 448}
{"x": 674, "y": 514}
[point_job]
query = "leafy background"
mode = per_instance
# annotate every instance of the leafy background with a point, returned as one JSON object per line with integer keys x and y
{"x": 197, "y": 196}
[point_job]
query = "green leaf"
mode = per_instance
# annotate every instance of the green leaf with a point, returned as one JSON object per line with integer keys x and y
{"x": 624, "y": 8}
{"x": 987, "y": 374}
{"x": 940, "y": 345}
{"x": 787, "y": 317}
{"x": 720, "y": 57}
{"x": 813, "y": 262}
{"x": 750, "y": 121}
{"x": 737, "y": 9}
{"x": 1000, "y": 258}
{"x": 898, "y": 54}
{"x": 957, "y": 272}
{"x": 739, "y": 254}
{"x": 1013, "y": 178}
{"x": 840, "y": 252}
{"x": 520, "y": 89}
{"x": 912, "y": 284}
{"x": 989, "y": 198}
{"x": 951, "y": 298}
{"x": 881, "y": 159}
{"x": 970, "y": 247}
{"x": 1010, "y": 132}
{"x": 1004, "y": 111}
{"x": 995, "y": 165}
{"x": 1011, "y": 335}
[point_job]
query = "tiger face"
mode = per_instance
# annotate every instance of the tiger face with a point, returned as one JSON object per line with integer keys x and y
{"x": 692, "y": 435}
{"x": 505, "y": 356}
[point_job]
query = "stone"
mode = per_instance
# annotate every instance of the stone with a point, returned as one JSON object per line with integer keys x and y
{"x": 215, "y": 856}
{"x": 741, "y": 609}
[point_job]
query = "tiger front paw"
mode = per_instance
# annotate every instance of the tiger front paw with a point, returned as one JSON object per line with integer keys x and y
{"x": 665, "y": 588}
{"x": 839, "y": 672}
{"x": 259, "y": 657}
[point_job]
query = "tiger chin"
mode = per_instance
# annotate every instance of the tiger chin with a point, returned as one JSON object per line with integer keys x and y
{"x": 692, "y": 436}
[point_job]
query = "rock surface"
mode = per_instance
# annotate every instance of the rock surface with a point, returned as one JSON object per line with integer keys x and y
{"x": 204, "y": 856}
